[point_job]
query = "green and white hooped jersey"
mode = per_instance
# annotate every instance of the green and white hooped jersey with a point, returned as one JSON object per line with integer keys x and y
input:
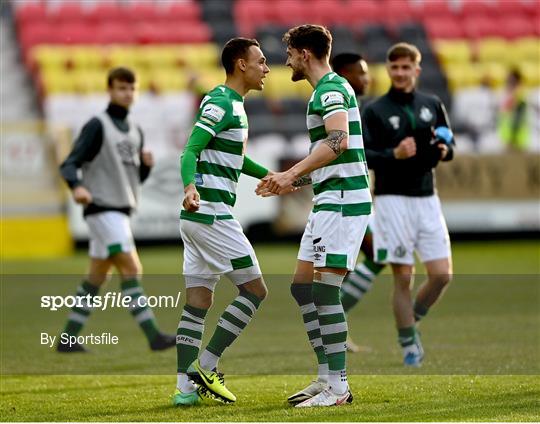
{"x": 222, "y": 114}
{"x": 343, "y": 184}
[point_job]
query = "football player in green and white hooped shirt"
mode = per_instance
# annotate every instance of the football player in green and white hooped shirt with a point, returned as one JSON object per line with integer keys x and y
{"x": 214, "y": 243}
{"x": 337, "y": 169}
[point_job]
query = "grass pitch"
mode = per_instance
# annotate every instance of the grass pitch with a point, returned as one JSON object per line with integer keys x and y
{"x": 482, "y": 348}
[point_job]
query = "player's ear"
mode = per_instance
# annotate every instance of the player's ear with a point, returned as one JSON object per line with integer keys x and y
{"x": 305, "y": 54}
{"x": 418, "y": 70}
{"x": 242, "y": 64}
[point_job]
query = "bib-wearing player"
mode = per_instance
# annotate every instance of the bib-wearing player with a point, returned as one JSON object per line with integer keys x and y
{"x": 401, "y": 130}
{"x": 109, "y": 156}
{"x": 214, "y": 243}
{"x": 337, "y": 169}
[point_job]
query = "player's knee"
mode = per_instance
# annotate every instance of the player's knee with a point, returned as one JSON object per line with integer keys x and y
{"x": 257, "y": 288}
{"x": 441, "y": 279}
{"x": 200, "y": 300}
{"x": 302, "y": 293}
{"x": 130, "y": 269}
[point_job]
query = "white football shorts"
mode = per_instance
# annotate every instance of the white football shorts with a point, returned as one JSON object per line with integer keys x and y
{"x": 109, "y": 234}
{"x": 211, "y": 250}
{"x": 332, "y": 240}
{"x": 405, "y": 224}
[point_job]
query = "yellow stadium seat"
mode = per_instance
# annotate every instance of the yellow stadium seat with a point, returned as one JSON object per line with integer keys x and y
{"x": 123, "y": 56}
{"x": 495, "y": 71}
{"x": 57, "y": 81}
{"x": 462, "y": 75}
{"x": 278, "y": 84}
{"x": 90, "y": 81}
{"x": 531, "y": 73}
{"x": 87, "y": 57}
{"x": 199, "y": 56}
{"x": 156, "y": 57}
{"x": 46, "y": 57}
{"x": 209, "y": 78}
{"x": 168, "y": 79}
{"x": 493, "y": 49}
{"x": 525, "y": 50}
{"x": 453, "y": 51}
{"x": 380, "y": 82}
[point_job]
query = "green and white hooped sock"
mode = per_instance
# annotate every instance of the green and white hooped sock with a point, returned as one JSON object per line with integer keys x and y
{"x": 231, "y": 323}
{"x": 303, "y": 294}
{"x": 142, "y": 314}
{"x": 358, "y": 283}
{"x": 78, "y": 316}
{"x": 188, "y": 342}
{"x": 333, "y": 326}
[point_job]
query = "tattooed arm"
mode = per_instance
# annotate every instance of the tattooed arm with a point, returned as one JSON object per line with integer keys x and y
{"x": 337, "y": 141}
{"x": 302, "y": 181}
{"x": 330, "y": 148}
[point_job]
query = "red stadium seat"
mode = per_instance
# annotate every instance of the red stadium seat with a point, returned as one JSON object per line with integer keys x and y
{"x": 362, "y": 11}
{"x": 291, "y": 12}
{"x": 104, "y": 12}
{"x": 478, "y": 8}
{"x": 329, "y": 12}
{"x": 435, "y": 10}
{"x": 31, "y": 13}
{"x": 515, "y": 26}
{"x": 477, "y": 27}
{"x": 173, "y": 33}
{"x": 42, "y": 33}
{"x": 115, "y": 33}
{"x": 183, "y": 12}
{"x": 68, "y": 12}
{"x": 249, "y": 15}
{"x": 505, "y": 7}
{"x": 144, "y": 12}
{"x": 75, "y": 33}
{"x": 440, "y": 28}
{"x": 395, "y": 12}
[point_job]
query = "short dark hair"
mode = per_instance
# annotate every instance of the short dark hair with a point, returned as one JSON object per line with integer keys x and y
{"x": 399, "y": 50}
{"x": 121, "y": 74}
{"x": 342, "y": 60}
{"x": 315, "y": 38}
{"x": 234, "y": 49}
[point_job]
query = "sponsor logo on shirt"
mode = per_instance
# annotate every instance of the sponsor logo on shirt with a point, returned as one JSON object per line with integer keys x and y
{"x": 212, "y": 113}
{"x": 332, "y": 98}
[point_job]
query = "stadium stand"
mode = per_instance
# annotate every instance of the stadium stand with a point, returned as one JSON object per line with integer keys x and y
{"x": 67, "y": 45}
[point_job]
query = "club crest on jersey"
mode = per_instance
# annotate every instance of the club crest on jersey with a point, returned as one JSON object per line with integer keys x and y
{"x": 212, "y": 113}
{"x": 332, "y": 98}
{"x": 400, "y": 251}
{"x": 425, "y": 114}
{"x": 394, "y": 121}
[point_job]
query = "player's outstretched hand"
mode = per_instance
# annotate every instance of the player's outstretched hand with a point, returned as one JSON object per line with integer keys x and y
{"x": 147, "y": 158}
{"x": 81, "y": 195}
{"x": 278, "y": 183}
{"x": 191, "y": 201}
